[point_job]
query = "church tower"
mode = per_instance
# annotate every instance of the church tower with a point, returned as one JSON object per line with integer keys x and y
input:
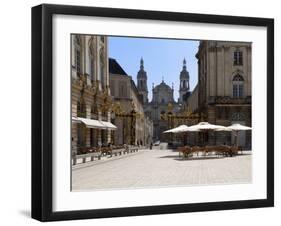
{"x": 184, "y": 83}
{"x": 142, "y": 83}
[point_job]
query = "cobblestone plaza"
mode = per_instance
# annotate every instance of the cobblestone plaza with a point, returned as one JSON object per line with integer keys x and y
{"x": 160, "y": 168}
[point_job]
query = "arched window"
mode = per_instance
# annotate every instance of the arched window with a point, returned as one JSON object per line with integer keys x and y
{"x": 78, "y": 54}
{"x": 238, "y": 86}
{"x": 183, "y": 84}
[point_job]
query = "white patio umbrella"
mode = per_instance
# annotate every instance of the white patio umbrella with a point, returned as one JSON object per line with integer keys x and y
{"x": 188, "y": 129}
{"x": 236, "y": 128}
{"x": 168, "y": 131}
{"x": 176, "y": 129}
{"x": 75, "y": 120}
{"x": 205, "y": 126}
{"x": 224, "y": 129}
{"x": 180, "y": 129}
{"x": 201, "y": 126}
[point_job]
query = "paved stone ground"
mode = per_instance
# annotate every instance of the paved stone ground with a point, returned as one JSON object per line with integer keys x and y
{"x": 160, "y": 168}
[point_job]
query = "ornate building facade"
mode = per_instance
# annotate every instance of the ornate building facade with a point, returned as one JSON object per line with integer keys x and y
{"x": 223, "y": 93}
{"x": 163, "y": 107}
{"x": 133, "y": 126}
{"x": 90, "y": 93}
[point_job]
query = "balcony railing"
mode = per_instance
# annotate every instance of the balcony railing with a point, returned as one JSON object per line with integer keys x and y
{"x": 229, "y": 100}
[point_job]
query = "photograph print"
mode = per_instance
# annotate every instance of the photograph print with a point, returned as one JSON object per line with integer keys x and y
{"x": 156, "y": 113}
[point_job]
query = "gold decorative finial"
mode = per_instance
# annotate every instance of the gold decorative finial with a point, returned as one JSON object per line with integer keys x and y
{"x": 170, "y": 107}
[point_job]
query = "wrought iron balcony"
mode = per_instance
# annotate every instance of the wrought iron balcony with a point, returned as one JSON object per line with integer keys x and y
{"x": 229, "y": 100}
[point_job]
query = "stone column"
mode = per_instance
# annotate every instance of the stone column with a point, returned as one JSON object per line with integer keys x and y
{"x": 248, "y": 114}
{"x": 133, "y": 129}
{"x": 88, "y": 132}
{"x": 108, "y": 130}
{"x": 97, "y": 69}
{"x": 74, "y": 142}
{"x": 106, "y": 64}
{"x": 82, "y": 55}
{"x": 98, "y": 130}
{"x": 74, "y": 136}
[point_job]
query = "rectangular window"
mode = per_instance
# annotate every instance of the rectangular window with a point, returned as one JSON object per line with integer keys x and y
{"x": 238, "y": 58}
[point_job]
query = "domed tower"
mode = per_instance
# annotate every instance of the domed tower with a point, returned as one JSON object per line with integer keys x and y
{"x": 142, "y": 83}
{"x": 184, "y": 82}
{"x": 163, "y": 94}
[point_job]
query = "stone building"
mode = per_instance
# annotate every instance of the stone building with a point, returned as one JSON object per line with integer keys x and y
{"x": 192, "y": 101}
{"x": 162, "y": 103}
{"x": 90, "y": 94}
{"x": 224, "y": 87}
{"x": 163, "y": 107}
{"x": 133, "y": 127}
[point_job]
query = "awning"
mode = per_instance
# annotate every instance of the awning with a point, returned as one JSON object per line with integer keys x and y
{"x": 75, "y": 119}
{"x": 92, "y": 123}
{"x": 109, "y": 125}
{"x": 95, "y": 124}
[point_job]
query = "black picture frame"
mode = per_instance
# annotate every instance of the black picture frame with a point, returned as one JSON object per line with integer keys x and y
{"x": 42, "y": 111}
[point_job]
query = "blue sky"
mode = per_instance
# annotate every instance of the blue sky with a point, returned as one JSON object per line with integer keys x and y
{"x": 162, "y": 58}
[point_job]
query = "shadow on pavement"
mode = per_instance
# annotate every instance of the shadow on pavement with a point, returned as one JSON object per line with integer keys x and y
{"x": 194, "y": 158}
